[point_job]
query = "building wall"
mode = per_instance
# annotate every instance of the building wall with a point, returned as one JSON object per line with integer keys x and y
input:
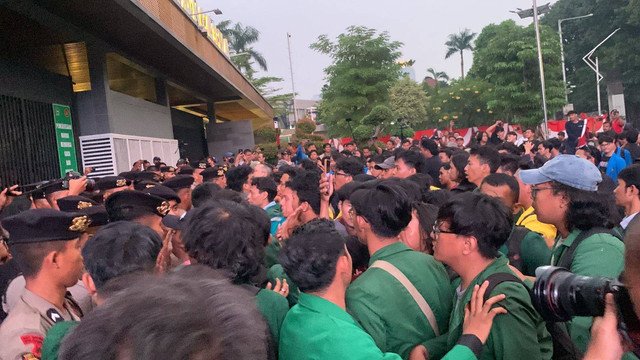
{"x": 132, "y": 116}
{"x": 189, "y": 132}
{"x": 229, "y": 136}
{"x": 34, "y": 83}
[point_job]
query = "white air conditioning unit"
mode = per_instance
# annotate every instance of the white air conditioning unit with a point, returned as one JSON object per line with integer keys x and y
{"x": 111, "y": 154}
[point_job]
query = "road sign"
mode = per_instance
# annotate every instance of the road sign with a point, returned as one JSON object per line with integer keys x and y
{"x": 65, "y": 139}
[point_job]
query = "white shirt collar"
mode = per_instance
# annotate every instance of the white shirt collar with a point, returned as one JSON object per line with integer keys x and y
{"x": 625, "y": 222}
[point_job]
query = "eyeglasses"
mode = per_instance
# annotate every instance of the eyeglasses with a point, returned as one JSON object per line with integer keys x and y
{"x": 536, "y": 190}
{"x": 341, "y": 174}
{"x": 437, "y": 231}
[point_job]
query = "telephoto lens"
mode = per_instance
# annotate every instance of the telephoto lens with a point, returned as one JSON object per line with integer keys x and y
{"x": 559, "y": 295}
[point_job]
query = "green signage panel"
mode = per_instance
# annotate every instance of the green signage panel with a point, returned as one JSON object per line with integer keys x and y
{"x": 64, "y": 139}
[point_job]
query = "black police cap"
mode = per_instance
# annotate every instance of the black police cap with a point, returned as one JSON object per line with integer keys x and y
{"x": 130, "y": 205}
{"x": 141, "y": 185}
{"x": 185, "y": 170}
{"x": 163, "y": 192}
{"x": 129, "y": 175}
{"x": 179, "y": 182}
{"x": 213, "y": 172}
{"x": 147, "y": 176}
{"x": 112, "y": 182}
{"x": 75, "y": 203}
{"x": 44, "y": 225}
{"x": 169, "y": 169}
{"x": 202, "y": 165}
{"x": 97, "y": 214}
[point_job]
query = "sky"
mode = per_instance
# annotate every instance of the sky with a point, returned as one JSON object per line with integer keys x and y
{"x": 422, "y": 25}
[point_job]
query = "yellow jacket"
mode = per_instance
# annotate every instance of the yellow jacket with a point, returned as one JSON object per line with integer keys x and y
{"x": 529, "y": 219}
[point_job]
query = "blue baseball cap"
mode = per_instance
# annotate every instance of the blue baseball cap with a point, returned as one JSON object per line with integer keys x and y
{"x": 570, "y": 170}
{"x": 229, "y": 154}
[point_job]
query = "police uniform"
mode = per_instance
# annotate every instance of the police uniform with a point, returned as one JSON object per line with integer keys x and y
{"x": 23, "y": 331}
{"x": 212, "y": 173}
{"x": 112, "y": 182}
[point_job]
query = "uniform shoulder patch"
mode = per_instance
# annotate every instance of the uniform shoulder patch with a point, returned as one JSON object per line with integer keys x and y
{"x": 36, "y": 342}
{"x": 54, "y": 315}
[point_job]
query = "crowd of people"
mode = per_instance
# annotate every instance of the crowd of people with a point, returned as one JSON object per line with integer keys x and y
{"x": 364, "y": 252}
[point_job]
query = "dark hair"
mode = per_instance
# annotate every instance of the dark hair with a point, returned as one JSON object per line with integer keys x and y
{"x": 196, "y": 314}
{"x": 351, "y": 166}
{"x": 448, "y": 151}
{"x": 539, "y": 160}
{"x": 555, "y": 143}
{"x": 481, "y": 216}
{"x": 479, "y": 136}
{"x": 292, "y": 171}
{"x": 504, "y": 180}
{"x": 359, "y": 254}
{"x": 561, "y": 133}
{"x": 306, "y": 185}
{"x": 238, "y": 176}
{"x": 308, "y": 165}
{"x": 261, "y": 222}
{"x": 427, "y": 215}
{"x": 512, "y": 133}
{"x": 386, "y": 207}
{"x": 509, "y": 148}
{"x": 593, "y": 151}
{"x": 346, "y": 153}
{"x": 414, "y": 160}
{"x": 346, "y": 190}
{"x": 487, "y": 155}
{"x": 120, "y": 248}
{"x": 430, "y": 145}
{"x": 29, "y": 256}
{"x": 310, "y": 255}
{"x": 509, "y": 163}
{"x": 203, "y": 193}
{"x": 587, "y": 209}
{"x": 313, "y": 151}
{"x": 220, "y": 235}
{"x": 349, "y": 143}
{"x": 571, "y": 112}
{"x": 459, "y": 161}
{"x": 411, "y": 188}
{"x": 632, "y": 136}
{"x": 547, "y": 145}
{"x": 605, "y": 138}
{"x": 266, "y": 184}
{"x": 363, "y": 178}
{"x": 631, "y": 175}
{"x": 325, "y": 145}
{"x": 424, "y": 182}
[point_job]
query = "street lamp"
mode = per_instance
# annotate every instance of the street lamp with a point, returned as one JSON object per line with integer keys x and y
{"x": 564, "y": 68}
{"x": 595, "y": 66}
{"x": 535, "y": 11}
{"x": 215, "y": 11}
{"x": 403, "y": 125}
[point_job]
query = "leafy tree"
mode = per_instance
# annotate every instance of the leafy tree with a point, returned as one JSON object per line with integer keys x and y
{"x": 439, "y": 76}
{"x": 240, "y": 38}
{"x": 408, "y": 101}
{"x": 466, "y": 102}
{"x": 621, "y": 52}
{"x": 506, "y": 56}
{"x": 458, "y": 43}
{"x": 363, "y": 70}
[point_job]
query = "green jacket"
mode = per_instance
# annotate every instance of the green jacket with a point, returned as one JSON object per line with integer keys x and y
{"x": 273, "y": 249}
{"x": 533, "y": 251}
{"x": 521, "y": 333}
{"x": 277, "y": 272}
{"x": 317, "y": 329}
{"x": 387, "y": 311}
{"x": 274, "y": 308}
{"x": 597, "y": 255}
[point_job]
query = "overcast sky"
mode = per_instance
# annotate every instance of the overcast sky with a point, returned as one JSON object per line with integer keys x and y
{"x": 422, "y": 25}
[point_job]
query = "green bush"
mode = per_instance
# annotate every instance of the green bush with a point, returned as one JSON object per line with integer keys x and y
{"x": 270, "y": 152}
{"x": 305, "y": 127}
{"x": 265, "y": 134}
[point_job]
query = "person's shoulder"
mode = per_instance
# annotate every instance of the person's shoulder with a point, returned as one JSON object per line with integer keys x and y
{"x": 602, "y": 239}
{"x": 273, "y": 300}
{"x": 21, "y": 317}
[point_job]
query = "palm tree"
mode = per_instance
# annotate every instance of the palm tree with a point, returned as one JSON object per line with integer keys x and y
{"x": 438, "y": 75}
{"x": 459, "y": 43}
{"x": 240, "y": 38}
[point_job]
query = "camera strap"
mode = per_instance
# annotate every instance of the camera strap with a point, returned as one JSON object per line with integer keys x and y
{"x": 563, "y": 346}
{"x": 566, "y": 259}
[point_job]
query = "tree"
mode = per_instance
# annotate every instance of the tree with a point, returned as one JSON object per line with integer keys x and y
{"x": 465, "y": 101}
{"x": 438, "y": 75}
{"x": 240, "y": 38}
{"x": 506, "y": 57}
{"x": 408, "y": 101}
{"x": 620, "y": 54}
{"x": 362, "y": 71}
{"x": 459, "y": 43}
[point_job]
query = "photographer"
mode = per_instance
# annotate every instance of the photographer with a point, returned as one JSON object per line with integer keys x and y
{"x": 564, "y": 193}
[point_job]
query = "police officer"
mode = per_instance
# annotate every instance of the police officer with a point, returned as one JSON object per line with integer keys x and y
{"x": 181, "y": 184}
{"x": 136, "y": 206}
{"x": 112, "y": 184}
{"x": 45, "y": 244}
{"x": 216, "y": 174}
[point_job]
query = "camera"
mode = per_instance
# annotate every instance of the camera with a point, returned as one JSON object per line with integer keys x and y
{"x": 72, "y": 175}
{"x": 559, "y": 295}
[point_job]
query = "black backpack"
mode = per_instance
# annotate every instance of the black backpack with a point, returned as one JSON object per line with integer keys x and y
{"x": 514, "y": 245}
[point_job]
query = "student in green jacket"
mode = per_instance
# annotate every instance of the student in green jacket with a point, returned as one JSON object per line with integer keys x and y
{"x": 470, "y": 229}
{"x": 387, "y": 308}
{"x": 320, "y": 328}
{"x": 222, "y": 236}
{"x": 533, "y": 251}
{"x": 565, "y": 195}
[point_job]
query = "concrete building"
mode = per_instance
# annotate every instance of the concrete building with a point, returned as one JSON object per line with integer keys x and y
{"x": 304, "y": 109}
{"x": 147, "y": 72}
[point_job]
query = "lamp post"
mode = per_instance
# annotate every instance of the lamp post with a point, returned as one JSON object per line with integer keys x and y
{"x": 564, "y": 68}
{"x": 595, "y": 66}
{"x": 535, "y": 11}
{"x": 293, "y": 87}
{"x": 215, "y": 11}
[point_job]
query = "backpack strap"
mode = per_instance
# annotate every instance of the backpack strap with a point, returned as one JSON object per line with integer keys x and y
{"x": 567, "y": 257}
{"x": 514, "y": 245}
{"x": 415, "y": 294}
{"x": 499, "y": 278}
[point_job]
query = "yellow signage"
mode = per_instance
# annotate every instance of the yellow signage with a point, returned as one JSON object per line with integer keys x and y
{"x": 205, "y": 24}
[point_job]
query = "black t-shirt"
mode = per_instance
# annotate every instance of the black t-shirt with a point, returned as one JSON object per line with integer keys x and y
{"x": 604, "y": 162}
{"x": 433, "y": 169}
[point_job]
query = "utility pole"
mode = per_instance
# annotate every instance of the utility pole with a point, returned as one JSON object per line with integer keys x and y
{"x": 293, "y": 87}
{"x": 564, "y": 67}
{"x": 595, "y": 66}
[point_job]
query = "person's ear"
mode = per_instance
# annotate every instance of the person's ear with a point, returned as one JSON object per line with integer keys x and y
{"x": 517, "y": 207}
{"x": 87, "y": 280}
{"x": 470, "y": 245}
{"x": 52, "y": 259}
